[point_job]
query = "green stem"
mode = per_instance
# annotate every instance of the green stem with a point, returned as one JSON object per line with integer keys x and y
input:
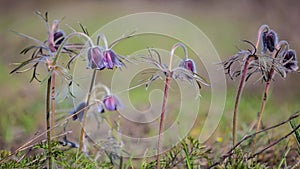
{"x": 48, "y": 95}
{"x": 86, "y": 110}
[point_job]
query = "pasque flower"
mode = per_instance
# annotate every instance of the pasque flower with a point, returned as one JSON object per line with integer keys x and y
{"x": 111, "y": 102}
{"x": 95, "y": 58}
{"x": 269, "y": 40}
{"x": 188, "y": 64}
{"x": 186, "y": 70}
{"x": 103, "y": 57}
{"x": 111, "y": 59}
{"x": 290, "y": 61}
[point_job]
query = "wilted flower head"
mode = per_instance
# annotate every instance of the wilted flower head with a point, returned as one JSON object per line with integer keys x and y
{"x": 269, "y": 40}
{"x": 111, "y": 102}
{"x": 290, "y": 61}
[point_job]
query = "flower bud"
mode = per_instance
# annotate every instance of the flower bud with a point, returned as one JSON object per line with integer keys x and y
{"x": 59, "y": 36}
{"x": 290, "y": 60}
{"x": 269, "y": 41}
{"x": 188, "y": 64}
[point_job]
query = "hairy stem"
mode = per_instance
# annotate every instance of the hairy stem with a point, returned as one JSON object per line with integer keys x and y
{"x": 264, "y": 101}
{"x": 162, "y": 116}
{"x": 48, "y": 95}
{"x": 86, "y": 110}
{"x": 52, "y": 103}
{"x": 263, "y": 105}
{"x": 237, "y": 99}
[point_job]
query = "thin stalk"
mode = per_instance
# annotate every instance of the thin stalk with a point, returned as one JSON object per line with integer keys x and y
{"x": 86, "y": 110}
{"x": 237, "y": 99}
{"x": 241, "y": 85}
{"x": 162, "y": 116}
{"x": 263, "y": 105}
{"x": 52, "y": 103}
{"x": 48, "y": 95}
{"x": 163, "y": 109}
{"x": 264, "y": 101}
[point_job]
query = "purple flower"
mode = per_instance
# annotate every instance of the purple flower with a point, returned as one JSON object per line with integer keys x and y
{"x": 269, "y": 41}
{"x": 188, "y": 64}
{"x": 111, "y": 59}
{"x": 81, "y": 107}
{"x": 111, "y": 102}
{"x": 290, "y": 60}
{"x": 96, "y": 58}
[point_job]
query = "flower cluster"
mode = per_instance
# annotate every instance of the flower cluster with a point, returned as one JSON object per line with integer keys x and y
{"x": 103, "y": 57}
{"x": 275, "y": 55}
{"x": 186, "y": 70}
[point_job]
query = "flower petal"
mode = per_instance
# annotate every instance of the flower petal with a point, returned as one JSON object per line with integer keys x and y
{"x": 96, "y": 58}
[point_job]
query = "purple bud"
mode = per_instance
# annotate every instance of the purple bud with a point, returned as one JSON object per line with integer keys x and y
{"x": 81, "y": 107}
{"x": 111, "y": 59}
{"x": 290, "y": 60}
{"x": 111, "y": 102}
{"x": 96, "y": 58}
{"x": 269, "y": 41}
{"x": 188, "y": 64}
{"x": 59, "y": 36}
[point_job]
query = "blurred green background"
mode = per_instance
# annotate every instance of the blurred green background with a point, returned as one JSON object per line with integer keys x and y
{"x": 224, "y": 22}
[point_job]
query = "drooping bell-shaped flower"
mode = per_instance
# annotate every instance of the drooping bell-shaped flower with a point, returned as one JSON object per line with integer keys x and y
{"x": 96, "y": 58}
{"x": 111, "y": 102}
{"x": 269, "y": 41}
{"x": 111, "y": 59}
{"x": 80, "y": 107}
{"x": 188, "y": 64}
{"x": 290, "y": 61}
